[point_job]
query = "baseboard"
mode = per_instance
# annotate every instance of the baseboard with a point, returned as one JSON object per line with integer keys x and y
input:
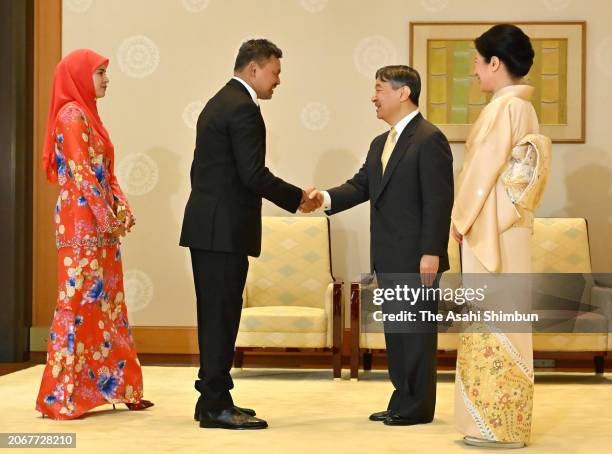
{"x": 182, "y": 340}
{"x": 152, "y": 342}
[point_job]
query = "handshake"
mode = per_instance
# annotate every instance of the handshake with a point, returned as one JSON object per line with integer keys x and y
{"x": 312, "y": 199}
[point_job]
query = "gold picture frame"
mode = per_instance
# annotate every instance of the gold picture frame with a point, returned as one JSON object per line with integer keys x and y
{"x": 443, "y": 52}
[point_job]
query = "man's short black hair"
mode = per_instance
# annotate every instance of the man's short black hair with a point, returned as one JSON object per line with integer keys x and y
{"x": 259, "y": 50}
{"x": 510, "y": 44}
{"x": 402, "y": 75}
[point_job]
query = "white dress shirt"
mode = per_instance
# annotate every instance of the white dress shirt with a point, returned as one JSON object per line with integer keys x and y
{"x": 399, "y": 128}
{"x": 249, "y": 88}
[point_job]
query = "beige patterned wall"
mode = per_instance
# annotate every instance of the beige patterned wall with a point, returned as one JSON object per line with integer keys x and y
{"x": 169, "y": 56}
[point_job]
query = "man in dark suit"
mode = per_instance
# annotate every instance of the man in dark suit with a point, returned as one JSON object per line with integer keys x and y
{"x": 222, "y": 222}
{"x": 408, "y": 179}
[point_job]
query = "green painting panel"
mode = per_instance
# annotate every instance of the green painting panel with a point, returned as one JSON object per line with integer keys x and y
{"x": 462, "y": 62}
{"x": 461, "y": 91}
{"x": 459, "y": 115}
{"x": 454, "y": 96}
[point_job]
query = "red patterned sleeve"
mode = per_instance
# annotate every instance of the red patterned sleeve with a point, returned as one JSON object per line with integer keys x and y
{"x": 72, "y": 137}
{"x": 121, "y": 202}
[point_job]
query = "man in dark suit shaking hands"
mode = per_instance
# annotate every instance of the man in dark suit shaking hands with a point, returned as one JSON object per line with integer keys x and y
{"x": 408, "y": 179}
{"x": 222, "y": 222}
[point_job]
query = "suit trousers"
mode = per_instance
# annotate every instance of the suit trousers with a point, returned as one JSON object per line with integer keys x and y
{"x": 411, "y": 352}
{"x": 219, "y": 280}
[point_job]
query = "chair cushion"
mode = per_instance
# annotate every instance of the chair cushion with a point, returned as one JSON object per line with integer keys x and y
{"x": 282, "y": 340}
{"x": 570, "y": 342}
{"x": 560, "y": 245}
{"x": 294, "y": 266}
{"x": 374, "y": 341}
{"x": 571, "y": 322}
{"x": 283, "y": 319}
{"x": 603, "y": 279}
{"x": 448, "y": 341}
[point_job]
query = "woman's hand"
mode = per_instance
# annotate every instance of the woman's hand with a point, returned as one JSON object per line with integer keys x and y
{"x": 130, "y": 221}
{"x": 119, "y": 231}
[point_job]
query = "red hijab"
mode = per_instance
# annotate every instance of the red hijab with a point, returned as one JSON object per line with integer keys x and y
{"x": 73, "y": 81}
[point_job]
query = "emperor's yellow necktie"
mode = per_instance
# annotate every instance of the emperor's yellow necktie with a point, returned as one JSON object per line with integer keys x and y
{"x": 389, "y": 145}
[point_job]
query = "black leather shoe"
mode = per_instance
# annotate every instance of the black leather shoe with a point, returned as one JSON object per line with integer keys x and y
{"x": 196, "y": 414}
{"x": 397, "y": 420}
{"x": 230, "y": 418}
{"x": 380, "y": 415}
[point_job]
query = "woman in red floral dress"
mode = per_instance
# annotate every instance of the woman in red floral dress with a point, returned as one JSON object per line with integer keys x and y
{"x": 91, "y": 358}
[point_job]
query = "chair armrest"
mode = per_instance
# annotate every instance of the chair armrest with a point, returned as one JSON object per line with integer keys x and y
{"x": 334, "y": 312}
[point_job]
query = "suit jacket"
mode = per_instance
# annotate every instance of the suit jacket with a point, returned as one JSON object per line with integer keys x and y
{"x": 410, "y": 205}
{"x": 229, "y": 177}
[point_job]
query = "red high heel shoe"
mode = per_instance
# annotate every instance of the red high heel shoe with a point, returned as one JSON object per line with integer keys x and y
{"x": 140, "y": 405}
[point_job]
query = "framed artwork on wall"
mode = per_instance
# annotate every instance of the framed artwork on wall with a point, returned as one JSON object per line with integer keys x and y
{"x": 443, "y": 53}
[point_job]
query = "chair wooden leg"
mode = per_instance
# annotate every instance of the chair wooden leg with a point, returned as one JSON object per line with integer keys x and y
{"x": 238, "y": 358}
{"x": 354, "y": 364}
{"x": 337, "y": 363}
{"x": 367, "y": 361}
{"x": 599, "y": 364}
{"x": 338, "y": 328}
{"x": 355, "y": 328}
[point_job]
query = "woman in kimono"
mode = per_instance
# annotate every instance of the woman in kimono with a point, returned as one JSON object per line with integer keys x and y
{"x": 91, "y": 359}
{"x": 502, "y": 179}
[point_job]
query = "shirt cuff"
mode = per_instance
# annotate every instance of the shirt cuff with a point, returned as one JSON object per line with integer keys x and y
{"x": 326, "y": 201}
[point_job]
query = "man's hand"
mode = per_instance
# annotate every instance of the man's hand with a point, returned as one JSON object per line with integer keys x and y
{"x": 429, "y": 268}
{"x": 312, "y": 199}
{"x": 456, "y": 235}
{"x": 316, "y": 195}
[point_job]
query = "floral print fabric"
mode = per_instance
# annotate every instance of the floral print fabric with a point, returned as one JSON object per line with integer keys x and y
{"x": 496, "y": 386}
{"x": 91, "y": 359}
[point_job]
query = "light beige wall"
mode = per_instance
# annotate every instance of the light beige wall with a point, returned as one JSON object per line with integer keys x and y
{"x": 320, "y": 122}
